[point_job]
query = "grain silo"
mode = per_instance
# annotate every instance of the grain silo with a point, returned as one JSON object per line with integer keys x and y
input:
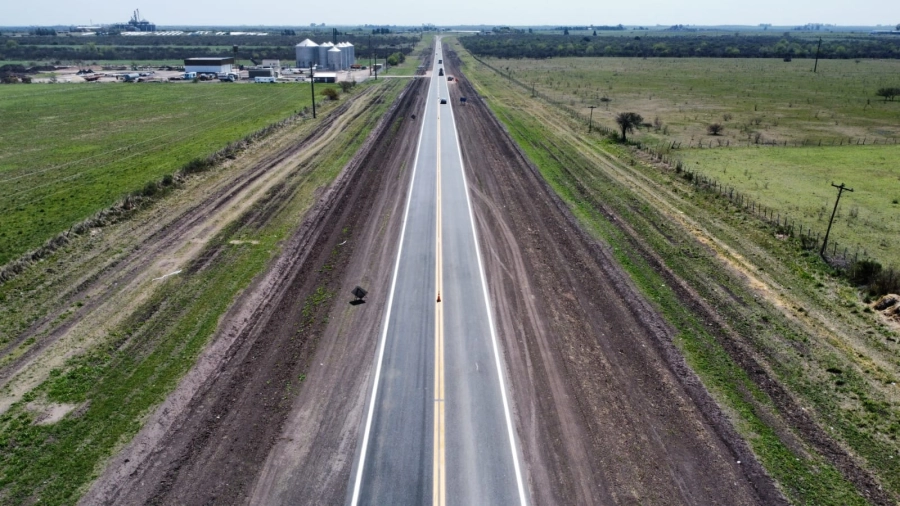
{"x": 351, "y": 52}
{"x": 323, "y": 53}
{"x": 334, "y": 58}
{"x": 342, "y": 46}
{"x": 307, "y": 53}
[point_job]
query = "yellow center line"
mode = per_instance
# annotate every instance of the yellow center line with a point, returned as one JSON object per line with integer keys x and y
{"x": 439, "y": 487}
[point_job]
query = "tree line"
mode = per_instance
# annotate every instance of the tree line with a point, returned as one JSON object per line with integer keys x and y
{"x": 113, "y": 47}
{"x": 524, "y": 45}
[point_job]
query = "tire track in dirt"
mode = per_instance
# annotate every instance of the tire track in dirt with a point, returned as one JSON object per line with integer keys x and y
{"x": 608, "y": 411}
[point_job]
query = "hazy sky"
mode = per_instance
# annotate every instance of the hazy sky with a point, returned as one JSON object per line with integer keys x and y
{"x": 415, "y": 12}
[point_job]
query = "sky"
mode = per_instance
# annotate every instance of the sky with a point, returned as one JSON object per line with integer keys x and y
{"x": 460, "y": 12}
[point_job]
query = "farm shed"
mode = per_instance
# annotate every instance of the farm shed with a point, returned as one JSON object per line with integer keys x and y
{"x": 211, "y": 65}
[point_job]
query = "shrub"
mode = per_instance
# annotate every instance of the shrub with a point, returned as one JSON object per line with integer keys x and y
{"x": 330, "y": 93}
{"x": 863, "y": 272}
{"x": 715, "y": 129}
{"x": 346, "y": 86}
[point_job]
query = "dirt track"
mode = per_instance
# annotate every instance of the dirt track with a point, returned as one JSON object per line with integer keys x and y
{"x": 607, "y": 410}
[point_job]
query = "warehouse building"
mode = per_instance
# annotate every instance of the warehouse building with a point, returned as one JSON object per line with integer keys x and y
{"x": 327, "y": 56}
{"x": 211, "y": 65}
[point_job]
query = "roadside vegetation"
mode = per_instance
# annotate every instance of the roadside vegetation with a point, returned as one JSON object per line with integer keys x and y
{"x": 108, "y": 389}
{"x": 800, "y": 364}
{"x": 69, "y": 151}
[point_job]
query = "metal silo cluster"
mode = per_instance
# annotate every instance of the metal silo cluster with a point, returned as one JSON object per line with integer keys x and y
{"x": 327, "y": 56}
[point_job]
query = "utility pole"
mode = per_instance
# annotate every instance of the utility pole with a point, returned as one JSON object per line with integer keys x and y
{"x": 591, "y": 121}
{"x": 841, "y": 189}
{"x": 816, "y": 66}
{"x": 312, "y": 87}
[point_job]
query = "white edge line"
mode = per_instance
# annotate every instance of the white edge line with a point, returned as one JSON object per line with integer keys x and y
{"x": 387, "y": 319}
{"x": 487, "y": 302}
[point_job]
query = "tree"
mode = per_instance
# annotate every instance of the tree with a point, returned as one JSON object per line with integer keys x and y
{"x": 714, "y": 129}
{"x": 888, "y": 93}
{"x": 346, "y": 85}
{"x": 627, "y": 121}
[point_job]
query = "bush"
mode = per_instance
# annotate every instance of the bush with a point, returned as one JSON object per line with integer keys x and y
{"x": 885, "y": 282}
{"x": 330, "y": 93}
{"x": 715, "y": 129}
{"x": 346, "y": 86}
{"x": 863, "y": 272}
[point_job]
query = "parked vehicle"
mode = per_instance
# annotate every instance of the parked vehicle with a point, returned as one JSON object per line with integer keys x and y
{"x": 264, "y": 79}
{"x": 189, "y": 75}
{"x": 228, "y": 76}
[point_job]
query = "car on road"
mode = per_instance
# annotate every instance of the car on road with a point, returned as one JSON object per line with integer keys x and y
{"x": 443, "y": 100}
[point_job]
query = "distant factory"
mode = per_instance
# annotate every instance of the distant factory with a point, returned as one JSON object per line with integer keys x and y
{"x": 327, "y": 56}
{"x": 135, "y": 24}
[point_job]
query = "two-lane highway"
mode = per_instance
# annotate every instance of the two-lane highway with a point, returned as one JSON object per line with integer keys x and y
{"x": 438, "y": 426}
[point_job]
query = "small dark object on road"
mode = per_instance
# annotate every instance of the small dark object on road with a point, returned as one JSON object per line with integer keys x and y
{"x": 359, "y": 293}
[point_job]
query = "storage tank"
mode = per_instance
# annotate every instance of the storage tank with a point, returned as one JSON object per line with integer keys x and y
{"x": 351, "y": 52}
{"x": 307, "y": 53}
{"x": 334, "y": 58}
{"x": 345, "y": 57}
{"x": 323, "y": 53}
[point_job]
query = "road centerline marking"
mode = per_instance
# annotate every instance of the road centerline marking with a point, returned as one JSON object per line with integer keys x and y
{"x": 439, "y": 488}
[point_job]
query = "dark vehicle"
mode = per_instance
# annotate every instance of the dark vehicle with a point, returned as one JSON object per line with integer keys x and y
{"x": 441, "y": 72}
{"x": 440, "y": 62}
{"x": 443, "y": 100}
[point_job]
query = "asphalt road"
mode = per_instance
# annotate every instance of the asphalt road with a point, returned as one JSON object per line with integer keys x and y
{"x": 438, "y": 427}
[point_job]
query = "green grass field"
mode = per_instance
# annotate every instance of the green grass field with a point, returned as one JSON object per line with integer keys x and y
{"x": 797, "y": 182}
{"x": 777, "y": 100}
{"x": 67, "y": 151}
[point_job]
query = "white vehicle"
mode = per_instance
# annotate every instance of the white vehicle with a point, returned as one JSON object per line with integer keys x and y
{"x": 228, "y": 76}
{"x": 264, "y": 79}
{"x": 189, "y": 75}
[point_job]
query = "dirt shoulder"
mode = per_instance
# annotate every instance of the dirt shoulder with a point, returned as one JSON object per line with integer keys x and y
{"x": 608, "y": 412}
{"x": 273, "y": 406}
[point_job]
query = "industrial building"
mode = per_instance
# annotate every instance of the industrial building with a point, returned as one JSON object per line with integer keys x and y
{"x": 210, "y": 65}
{"x": 327, "y": 56}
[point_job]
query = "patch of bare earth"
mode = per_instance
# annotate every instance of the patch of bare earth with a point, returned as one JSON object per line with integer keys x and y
{"x": 607, "y": 410}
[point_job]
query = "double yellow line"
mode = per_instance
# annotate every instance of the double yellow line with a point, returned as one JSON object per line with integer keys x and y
{"x": 439, "y": 495}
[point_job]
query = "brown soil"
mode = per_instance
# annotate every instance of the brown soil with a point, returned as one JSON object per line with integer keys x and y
{"x": 607, "y": 410}
{"x": 279, "y": 392}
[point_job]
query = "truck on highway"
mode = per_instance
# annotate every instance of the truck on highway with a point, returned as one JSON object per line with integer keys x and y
{"x": 441, "y": 71}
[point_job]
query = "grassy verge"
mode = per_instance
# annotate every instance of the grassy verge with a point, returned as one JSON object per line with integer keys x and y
{"x": 68, "y": 151}
{"x": 115, "y": 385}
{"x": 847, "y": 386}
